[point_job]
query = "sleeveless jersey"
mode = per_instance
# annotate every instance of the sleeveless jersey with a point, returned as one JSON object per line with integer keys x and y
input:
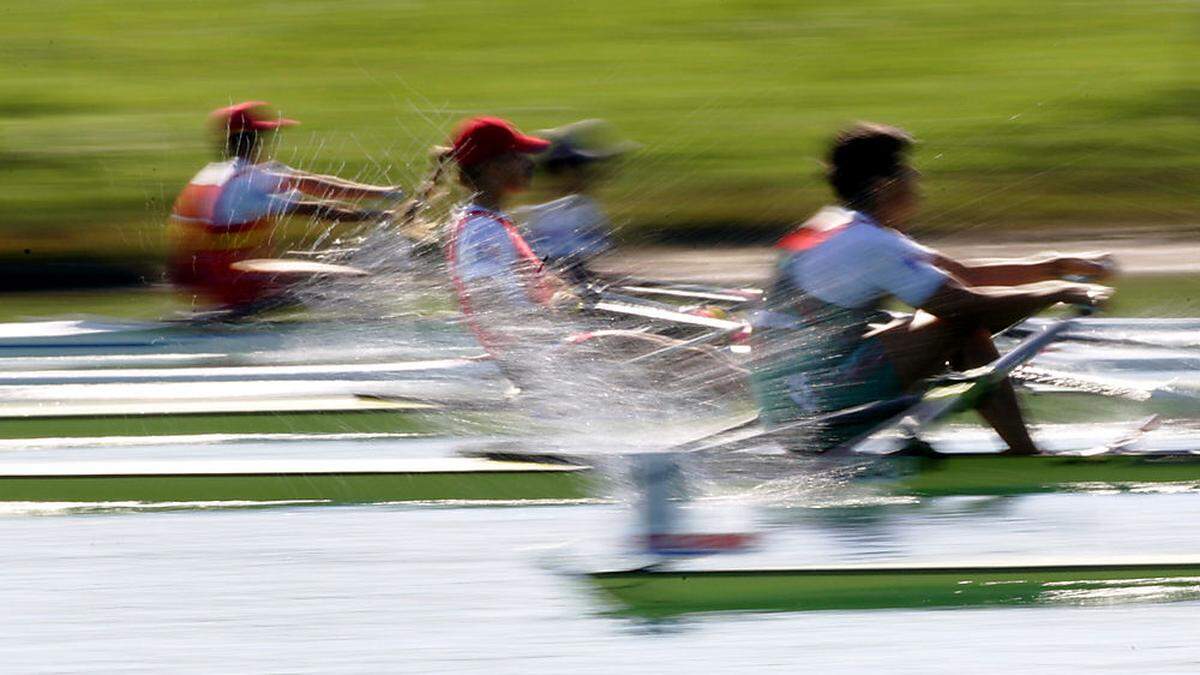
{"x": 207, "y": 233}
{"x": 499, "y": 259}
{"x": 799, "y": 340}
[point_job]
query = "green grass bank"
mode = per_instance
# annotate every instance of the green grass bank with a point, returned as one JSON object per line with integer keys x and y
{"x": 1030, "y": 113}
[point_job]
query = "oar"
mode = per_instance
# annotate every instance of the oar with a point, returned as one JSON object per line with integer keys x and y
{"x": 623, "y": 306}
{"x": 297, "y": 269}
{"x": 729, "y": 434}
{"x": 1100, "y": 385}
{"x": 1020, "y": 330}
{"x": 626, "y": 306}
{"x": 654, "y": 285}
{"x": 292, "y": 264}
{"x": 687, "y": 344}
{"x": 670, "y": 292}
{"x": 1124, "y": 442}
{"x": 928, "y": 407}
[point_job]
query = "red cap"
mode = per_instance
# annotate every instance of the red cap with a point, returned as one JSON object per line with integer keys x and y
{"x": 482, "y": 138}
{"x": 248, "y": 116}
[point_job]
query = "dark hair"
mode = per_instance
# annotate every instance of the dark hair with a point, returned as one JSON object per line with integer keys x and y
{"x": 558, "y": 165}
{"x": 468, "y": 176}
{"x": 241, "y": 144}
{"x": 863, "y": 154}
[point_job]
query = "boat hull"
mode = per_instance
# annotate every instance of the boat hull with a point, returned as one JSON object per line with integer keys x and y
{"x": 456, "y": 479}
{"x": 996, "y": 475}
{"x": 297, "y": 416}
{"x": 653, "y": 593}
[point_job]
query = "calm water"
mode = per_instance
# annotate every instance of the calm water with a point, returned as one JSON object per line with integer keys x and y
{"x": 437, "y": 589}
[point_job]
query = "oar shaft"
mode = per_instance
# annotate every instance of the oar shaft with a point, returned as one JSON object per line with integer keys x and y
{"x": 686, "y": 344}
{"x": 932, "y": 409}
{"x": 626, "y": 308}
{"x": 1027, "y": 349}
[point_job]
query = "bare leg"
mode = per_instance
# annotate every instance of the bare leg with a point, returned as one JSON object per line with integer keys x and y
{"x": 919, "y": 347}
{"x": 1000, "y": 407}
{"x": 925, "y": 345}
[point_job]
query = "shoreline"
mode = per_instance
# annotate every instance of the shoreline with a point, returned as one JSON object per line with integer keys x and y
{"x": 1140, "y": 254}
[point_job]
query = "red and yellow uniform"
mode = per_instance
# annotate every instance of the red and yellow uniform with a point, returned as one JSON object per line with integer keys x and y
{"x": 225, "y": 214}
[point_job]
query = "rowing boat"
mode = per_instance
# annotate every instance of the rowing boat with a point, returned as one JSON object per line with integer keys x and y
{"x": 346, "y": 372}
{"x": 897, "y": 445}
{"x": 955, "y": 474}
{"x": 89, "y": 335}
{"x": 977, "y": 474}
{"x": 305, "y": 415}
{"x": 970, "y": 464}
{"x": 656, "y": 592}
{"x": 282, "y": 480}
{"x": 285, "y": 340}
{"x": 513, "y": 479}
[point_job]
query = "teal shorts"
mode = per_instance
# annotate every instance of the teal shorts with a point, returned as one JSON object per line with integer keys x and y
{"x": 865, "y": 376}
{"x": 786, "y": 394}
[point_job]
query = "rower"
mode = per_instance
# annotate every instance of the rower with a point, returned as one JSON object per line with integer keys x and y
{"x": 817, "y": 346}
{"x": 229, "y": 211}
{"x": 501, "y": 283}
{"x": 571, "y": 231}
{"x": 522, "y": 313}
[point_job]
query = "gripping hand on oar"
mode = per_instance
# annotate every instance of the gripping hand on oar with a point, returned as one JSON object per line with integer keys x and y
{"x": 1087, "y": 267}
{"x": 1086, "y": 295}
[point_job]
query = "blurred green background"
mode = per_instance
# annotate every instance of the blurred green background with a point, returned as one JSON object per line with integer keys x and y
{"x": 1031, "y": 113}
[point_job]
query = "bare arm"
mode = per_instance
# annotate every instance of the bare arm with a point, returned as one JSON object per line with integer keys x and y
{"x": 335, "y": 211}
{"x": 1028, "y": 270}
{"x": 329, "y": 187}
{"x": 999, "y": 308}
{"x": 332, "y": 187}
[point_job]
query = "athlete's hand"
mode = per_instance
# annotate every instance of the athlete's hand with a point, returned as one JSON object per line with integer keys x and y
{"x": 566, "y": 300}
{"x": 379, "y": 214}
{"x": 1087, "y": 295}
{"x": 1095, "y": 267}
